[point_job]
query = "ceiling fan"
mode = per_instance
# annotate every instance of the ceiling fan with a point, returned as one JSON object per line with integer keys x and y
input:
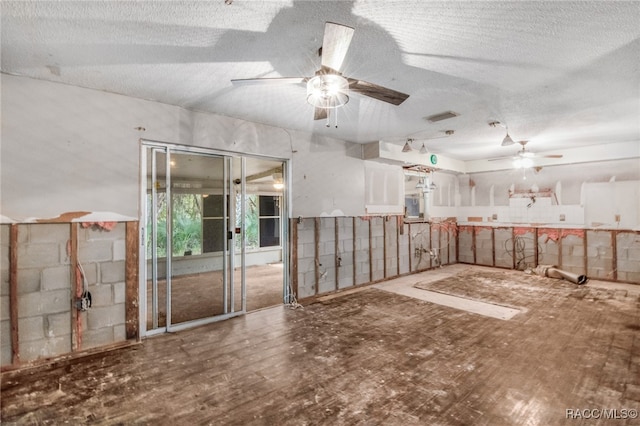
{"x": 523, "y": 158}
{"x": 328, "y": 89}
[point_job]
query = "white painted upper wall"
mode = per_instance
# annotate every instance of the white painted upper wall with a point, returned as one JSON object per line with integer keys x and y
{"x": 66, "y": 148}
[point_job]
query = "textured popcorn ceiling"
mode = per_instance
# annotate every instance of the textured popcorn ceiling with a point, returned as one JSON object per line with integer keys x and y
{"x": 560, "y": 74}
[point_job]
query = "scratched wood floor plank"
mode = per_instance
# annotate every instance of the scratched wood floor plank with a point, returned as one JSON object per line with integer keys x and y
{"x": 366, "y": 358}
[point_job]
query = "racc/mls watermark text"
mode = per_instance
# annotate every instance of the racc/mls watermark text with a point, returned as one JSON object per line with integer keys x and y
{"x": 601, "y": 413}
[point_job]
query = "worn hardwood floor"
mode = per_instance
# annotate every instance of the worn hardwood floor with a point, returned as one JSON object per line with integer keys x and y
{"x": 367, "y": 357}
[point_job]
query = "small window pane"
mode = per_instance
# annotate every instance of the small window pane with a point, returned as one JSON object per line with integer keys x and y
{"x": 269, "y": 206}
{"x": 269, "y": 232}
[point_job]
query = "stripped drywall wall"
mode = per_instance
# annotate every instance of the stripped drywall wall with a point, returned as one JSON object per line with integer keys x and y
{"x": 333, "y": 254}
{"x": 604, "y": 254}
{"x": 43, "y": 278}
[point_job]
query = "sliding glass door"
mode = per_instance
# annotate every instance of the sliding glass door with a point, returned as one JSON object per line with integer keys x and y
{"x": 191, "y": 228}
{"x": 214, "y": 236}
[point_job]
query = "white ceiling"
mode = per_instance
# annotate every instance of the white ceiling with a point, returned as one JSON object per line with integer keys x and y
{"x": 561, "y": 74}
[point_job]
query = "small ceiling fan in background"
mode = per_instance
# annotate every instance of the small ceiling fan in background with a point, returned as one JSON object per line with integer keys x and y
{"x": 523, "y": 158}
{"x": 328, "y": 89}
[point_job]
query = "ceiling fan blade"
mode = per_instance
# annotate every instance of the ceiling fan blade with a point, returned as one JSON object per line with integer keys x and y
{"x": 335, "y": 44}
{"x": 320, "y": 114}
{"x": 552, "y": 156}
{"x": 377, "y": 92}
{"x": 510, "y": 157}
{"x": 273, "y": 81}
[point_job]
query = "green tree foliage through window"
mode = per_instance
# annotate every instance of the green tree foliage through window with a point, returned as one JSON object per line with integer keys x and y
{"x": 186, "y": 221}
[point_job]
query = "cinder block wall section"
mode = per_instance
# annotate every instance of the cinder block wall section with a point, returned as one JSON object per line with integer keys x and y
{"x": 44, "y": 291}
{"x": 604, "y": 254}
{"x": 40, "y": 285}
{"x": 336, "y": 253}
{"x": 628, "y": 256}
{"x": 102, "y": 256}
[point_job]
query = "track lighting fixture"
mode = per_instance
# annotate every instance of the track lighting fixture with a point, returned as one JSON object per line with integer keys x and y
{"x": 407, "y": 146}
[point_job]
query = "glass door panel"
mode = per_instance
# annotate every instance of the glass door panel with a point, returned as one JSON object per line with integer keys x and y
{"x": 156, "y": 239}
{"x": 190, "y": 223}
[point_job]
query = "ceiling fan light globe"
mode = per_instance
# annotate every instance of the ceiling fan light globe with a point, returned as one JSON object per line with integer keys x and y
{"x": 527, "y": 162}
{"x": 517, "y": 163}
{"x": 327, "y": 91}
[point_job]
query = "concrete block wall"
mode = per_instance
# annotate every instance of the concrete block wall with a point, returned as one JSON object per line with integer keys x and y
{"x": 345, "y": 252}
{"x": 420, "y": 244}
{"x": 404, "y": 253}
{"x": 362, "y": 250}
{"x": 549, "y": 248}
{"x": 465, "y": 244}
{"x": 335, "y": 253}
{"x": 611, "y": 255}
{"x": 377, "y": 248}
{"x": 45, "y": 297}
{"x": 599, "y": 254}
{"x": 525, "y": 253}
{"x": 5, "y": 323}
{"x": 484, "y": 246}
{"x": 436, "y": 246}
{"x": 503, "y": 242}
{"x": 391, "y": 233}
{"x": 102, "y": 256}
{"x": 327, "y": 255}
{"x": 453, "y": 242}
{"x": 573, "y": 254}
{"x": 306, "y": 257}
{"x": 628, "y": 256}
{"x": 44, "y": 291}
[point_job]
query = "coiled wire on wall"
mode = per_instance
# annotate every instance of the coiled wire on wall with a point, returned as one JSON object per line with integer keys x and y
{"x": 523, "y": 260}
{"x": 421, "y": 244}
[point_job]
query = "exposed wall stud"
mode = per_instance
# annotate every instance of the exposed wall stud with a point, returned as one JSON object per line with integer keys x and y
{"x": 513, "y": 248}
{"x": 585, "y": 246}
{"x": 132, "y": 305}
{"x": 370, "y": 252}
{"x": 410, "y": 251}
{"x": 13, "y": 293}
{"x": 398, "y": 225}
{"x": 316, "y": 237}
{"x": 535, "y": 247}
{"x": 493, "y": 246}
{"x": 560, "y": 238}
{"x": 473, "y": 245}
{"x": 75, "y": 315}
{"x": 294, "y": 256}
{"x": 337, "y": 253}
{"x": 353, "y": 220}
{"x": 614, "y": 254}
{"x": 384, "y": 247}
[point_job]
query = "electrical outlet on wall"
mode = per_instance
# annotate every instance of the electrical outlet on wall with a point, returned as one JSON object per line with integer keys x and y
{"x": 562, "y": 218}
{"x": 494, "y": 216}
{"x": 617, "y": 218}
